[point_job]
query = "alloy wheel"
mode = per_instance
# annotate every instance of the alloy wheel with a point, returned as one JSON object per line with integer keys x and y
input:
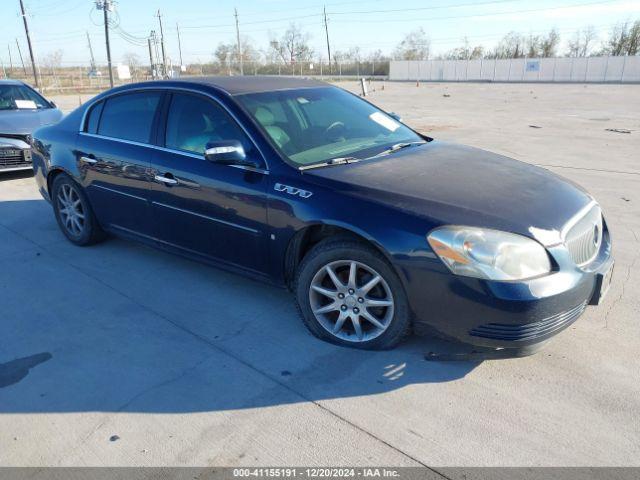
{"x": 351, "y": 301}
{"x": 71, "y": 210}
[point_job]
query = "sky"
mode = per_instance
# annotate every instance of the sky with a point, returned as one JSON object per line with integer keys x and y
{"x": 370, "y": 24}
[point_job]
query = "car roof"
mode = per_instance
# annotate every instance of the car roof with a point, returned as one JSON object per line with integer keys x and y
{"x": 253, "y": 83}
{"x": 11, "y": 82}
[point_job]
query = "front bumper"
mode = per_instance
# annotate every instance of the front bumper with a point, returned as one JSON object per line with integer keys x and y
{"x": 518, "y": 316}
{"x": 15, "y": 154}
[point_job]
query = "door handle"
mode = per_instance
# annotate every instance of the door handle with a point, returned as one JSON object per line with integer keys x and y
{"x": 165, "y": 180}
{"x": 88, "y": 160}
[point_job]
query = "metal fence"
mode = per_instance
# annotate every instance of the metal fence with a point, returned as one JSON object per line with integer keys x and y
{"x": 578, "y": 70}
{"x": 84, "y": 79}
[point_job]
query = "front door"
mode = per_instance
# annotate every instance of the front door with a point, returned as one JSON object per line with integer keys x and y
{"x": 205, "y": 208}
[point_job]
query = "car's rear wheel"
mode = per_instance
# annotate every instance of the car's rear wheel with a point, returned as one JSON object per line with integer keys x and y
{"x": 73, "y": 212}
{"x": 348, "y": 294}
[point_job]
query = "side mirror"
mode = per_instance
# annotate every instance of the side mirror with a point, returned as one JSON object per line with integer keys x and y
{"x": 395, "y": 116}
{"x": 228, "y": 152}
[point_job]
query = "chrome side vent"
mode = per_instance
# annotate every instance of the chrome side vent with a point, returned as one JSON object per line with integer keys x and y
{"x": 584, "y": 236}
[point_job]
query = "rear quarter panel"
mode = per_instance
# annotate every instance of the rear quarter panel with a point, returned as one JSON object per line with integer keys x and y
{"x": 54, "y": 149}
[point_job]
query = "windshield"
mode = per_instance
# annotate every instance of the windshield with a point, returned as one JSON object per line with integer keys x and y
{"x": 320, "y": 124}
{"x": 18, "y": 97}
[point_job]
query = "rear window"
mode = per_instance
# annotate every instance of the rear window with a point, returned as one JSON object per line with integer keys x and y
{"x": 129, "y": 116}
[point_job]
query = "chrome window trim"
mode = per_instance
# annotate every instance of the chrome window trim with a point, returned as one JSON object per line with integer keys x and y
{"x": 166, "y": 89}
{"x": 171, "y": 150}
{"x": 206, "y": 217}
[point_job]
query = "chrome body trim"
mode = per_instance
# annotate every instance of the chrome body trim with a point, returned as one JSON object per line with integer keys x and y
{"x": 213, "y": 219}
{"x": 118, "y": 192}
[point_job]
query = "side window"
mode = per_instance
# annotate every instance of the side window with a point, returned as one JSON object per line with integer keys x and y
{"x": 129, "y": 116}
{"x": 94, "y": 118}
{"x": 194, "y": 121}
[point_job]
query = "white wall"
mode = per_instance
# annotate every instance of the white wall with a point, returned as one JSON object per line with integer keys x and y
{"x": 589, "y": 69}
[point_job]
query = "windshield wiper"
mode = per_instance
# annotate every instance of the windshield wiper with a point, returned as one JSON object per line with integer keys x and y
{"x": 331, "y": 162}
{"x": 398, "y": 146}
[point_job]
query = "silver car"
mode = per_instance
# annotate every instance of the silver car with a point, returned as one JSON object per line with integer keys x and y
{"x": 22, "y": 110}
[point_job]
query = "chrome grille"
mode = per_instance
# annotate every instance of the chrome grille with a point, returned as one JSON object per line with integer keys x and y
{"x": 11, "y": 157}
{"x": 584, "y": 237}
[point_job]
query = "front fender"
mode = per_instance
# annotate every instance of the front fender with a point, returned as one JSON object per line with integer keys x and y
{"x": 399, "y": 236}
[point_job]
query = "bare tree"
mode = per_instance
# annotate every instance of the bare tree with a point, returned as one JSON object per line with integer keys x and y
{"x": 512, "y": 45}
{"x": 549, "y": 45}
{"x": 293, "y": 47}
{"x": 623, "y": 39}
{"x": 582, "y": 41}
{"x": 53, "y": 59}
{"x": 224, "y": 54}
{"x": 414, "y": 46}
{"x": 465, "y": 52}
{"x": 133, "y": 61}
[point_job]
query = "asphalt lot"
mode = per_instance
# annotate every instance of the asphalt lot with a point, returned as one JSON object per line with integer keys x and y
{"x": 118, "y": 354}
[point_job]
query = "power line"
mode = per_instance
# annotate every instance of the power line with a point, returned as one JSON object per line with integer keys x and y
{"x": 449, "y": 17}
{"x": 433, "y": 7}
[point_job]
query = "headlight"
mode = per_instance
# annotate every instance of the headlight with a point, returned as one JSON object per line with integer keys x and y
{"x": 490, "y": 254}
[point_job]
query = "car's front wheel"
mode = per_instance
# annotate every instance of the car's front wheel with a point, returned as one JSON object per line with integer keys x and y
{"x": 348, "y": 294}
{"x": 73, "y": 212}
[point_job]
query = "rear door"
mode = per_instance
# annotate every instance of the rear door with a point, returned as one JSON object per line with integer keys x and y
{"x": 214, "y": 210}
{"x": 114, "y": 153}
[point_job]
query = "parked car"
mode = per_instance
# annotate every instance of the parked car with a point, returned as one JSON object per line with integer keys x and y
{"x": 374, "y": 227}
{"x": 22, "y": 110}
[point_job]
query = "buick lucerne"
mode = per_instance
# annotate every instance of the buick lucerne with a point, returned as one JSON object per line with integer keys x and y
{"x": 375, "y": 228}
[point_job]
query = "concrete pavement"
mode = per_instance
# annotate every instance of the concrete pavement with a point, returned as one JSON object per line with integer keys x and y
{"x": 118, "y": 354}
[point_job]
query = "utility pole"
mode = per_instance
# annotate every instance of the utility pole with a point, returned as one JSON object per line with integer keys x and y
{"x": 164, "y": 57}
{"x": 154, "y": 41}
{"x": 179, "y": 45}
{"x": 105, "y": 5}
{"x": 151, "y": 59}
{"x": 26, "y": 30}
{"x": 326, "y": 31}
{"x": 238, "y": 39}
{"x": 93, "y": 60}
{"x": 10, "y": 59}
{"x": 21, "y": 60}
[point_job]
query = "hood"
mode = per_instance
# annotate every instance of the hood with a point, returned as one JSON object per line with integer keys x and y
{"x": 455, "y": 184}
{"x": 24, "y": 122}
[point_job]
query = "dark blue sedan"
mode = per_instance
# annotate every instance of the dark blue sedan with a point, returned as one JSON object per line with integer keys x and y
{"x": 377, "y": 229}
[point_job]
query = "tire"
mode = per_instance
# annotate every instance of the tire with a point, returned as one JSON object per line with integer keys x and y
{"x": 336, "y": 306}
{"x": 80, "y": 226}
